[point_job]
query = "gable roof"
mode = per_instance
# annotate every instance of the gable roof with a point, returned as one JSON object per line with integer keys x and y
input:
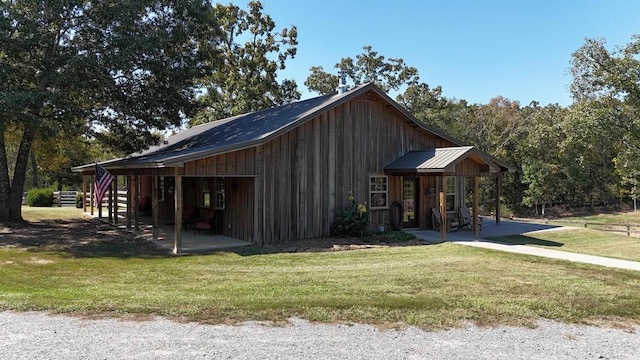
{"x": 439, "y": 160}
{"x": 248, "y": 130}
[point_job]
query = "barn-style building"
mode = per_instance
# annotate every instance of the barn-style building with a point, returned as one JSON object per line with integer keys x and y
{"x": 282, "y": 174}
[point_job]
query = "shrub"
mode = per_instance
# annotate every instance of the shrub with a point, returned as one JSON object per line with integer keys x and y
{"x": 40, "y": 197}
{"x": 352, "y": 221}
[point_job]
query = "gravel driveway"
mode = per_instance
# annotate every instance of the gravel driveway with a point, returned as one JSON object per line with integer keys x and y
{"x": 43, "y": 336}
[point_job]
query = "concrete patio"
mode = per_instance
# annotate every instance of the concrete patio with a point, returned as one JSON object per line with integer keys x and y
{"x": 198, "y": 242}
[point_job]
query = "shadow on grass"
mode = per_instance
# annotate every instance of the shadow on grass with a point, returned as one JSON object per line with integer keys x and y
{"x": 92, "y": 238}
{"x": 524, "y": 240}
{"x": 81, "y": 238}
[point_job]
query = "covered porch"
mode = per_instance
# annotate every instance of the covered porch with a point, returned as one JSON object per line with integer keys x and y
{"x": 434, "y": 185}
{"x": 183, "y": 213}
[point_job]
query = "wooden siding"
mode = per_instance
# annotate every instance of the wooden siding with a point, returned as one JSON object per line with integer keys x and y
{"x": 306, "y": 175}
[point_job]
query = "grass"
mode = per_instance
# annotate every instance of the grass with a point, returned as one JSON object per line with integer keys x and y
{"x": 582, "y": 241}
{"x": 621, "y": 217}
{"x": 30, "y": 213}
{"x": 433, "y": 287}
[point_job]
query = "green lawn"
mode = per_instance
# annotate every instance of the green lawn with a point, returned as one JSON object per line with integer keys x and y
{"x": 584, "y": 241}
{"x": 433, "y": 287}
{"x": 621, "y": 217}
{"x": 50, "y": 213}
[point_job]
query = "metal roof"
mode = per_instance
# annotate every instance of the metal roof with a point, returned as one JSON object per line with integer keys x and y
{"x": 438, "y": 160}
{"x": 247, "y": 130}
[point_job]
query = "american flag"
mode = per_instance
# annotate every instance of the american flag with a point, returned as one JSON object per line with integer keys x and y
{"x": 103, "y": 180}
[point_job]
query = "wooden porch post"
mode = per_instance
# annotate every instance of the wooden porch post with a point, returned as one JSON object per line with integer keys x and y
{"x": 136, "y": 210}
{"x": 154, "y": 207}
{"x": 443, "y": 209}
{"x": 498, "y": 200}
{"x": 128, "y": 186}
{"x": 114, "y": 185}
{"x": 110, "y": 204}
{"x": 99, "y": 206}
{"x": 84, "y": 194}
{"x": 475, "y": 206}
{"x": 177, "y": 242}
{"x": 91, "y": 182}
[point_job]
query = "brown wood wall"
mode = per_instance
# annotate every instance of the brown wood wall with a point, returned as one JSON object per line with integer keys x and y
{"x": 306, "y": 174}
{"x": 292, "y": 186}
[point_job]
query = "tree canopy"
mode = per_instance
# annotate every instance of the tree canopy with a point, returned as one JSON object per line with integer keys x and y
{"x": 367, "y": 67}
{"x": 120, "y": 67}
{"x": 251, "y": 52}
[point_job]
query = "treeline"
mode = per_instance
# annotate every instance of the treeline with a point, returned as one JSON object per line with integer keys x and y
{"x": 88, "y": 81}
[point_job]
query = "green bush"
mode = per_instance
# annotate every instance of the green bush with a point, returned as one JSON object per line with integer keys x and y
{"x": 352, "y": 221}
{"x": 40, "y": 197}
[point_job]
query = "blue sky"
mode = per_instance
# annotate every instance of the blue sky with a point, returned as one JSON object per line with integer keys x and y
{"x": 475, "y": 50}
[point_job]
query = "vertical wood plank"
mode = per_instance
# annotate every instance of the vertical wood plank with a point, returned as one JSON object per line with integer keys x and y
{"x": 154, "y": 207}
{"x": 129, "y": 202}
{"x": 317, "y": 174}
{"x": 331, "y": 168}
{"x": 177, "y": 242}
{"x": 136, "y": 202}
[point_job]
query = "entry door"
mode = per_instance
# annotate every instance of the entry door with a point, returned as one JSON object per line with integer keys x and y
{"x": 410, "y": 201}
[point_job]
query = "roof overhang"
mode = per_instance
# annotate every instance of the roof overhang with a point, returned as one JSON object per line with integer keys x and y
{"x": 443, "y": 160}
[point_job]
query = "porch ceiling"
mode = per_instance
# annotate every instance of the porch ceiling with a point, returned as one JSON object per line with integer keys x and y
{"x": 439, "y": 160}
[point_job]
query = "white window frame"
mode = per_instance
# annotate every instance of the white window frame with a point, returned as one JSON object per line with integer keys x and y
{"x": 378, "y": 188}
{"x": 452, "y": 194}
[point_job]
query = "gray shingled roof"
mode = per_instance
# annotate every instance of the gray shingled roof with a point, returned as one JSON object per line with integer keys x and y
{"x": 438, "y": 160}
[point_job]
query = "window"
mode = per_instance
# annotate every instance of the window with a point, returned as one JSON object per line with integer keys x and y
{"x": 378, "y": 191}
{"x": 161, "y": 188}
{"x": 220, "y": 193}
{"x": 206, "y": 194}
{"x": 451, "y": 193}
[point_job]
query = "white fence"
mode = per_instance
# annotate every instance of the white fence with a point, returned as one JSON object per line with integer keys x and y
{"x": 65, "y": 198}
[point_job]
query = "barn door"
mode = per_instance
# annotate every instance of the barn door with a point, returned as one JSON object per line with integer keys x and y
{"x": 410, "y": 201}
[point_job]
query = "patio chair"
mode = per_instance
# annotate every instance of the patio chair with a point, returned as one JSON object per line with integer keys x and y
{"x": 190, "y": 215}
{"x": 205, "y": 225}
{"x": 464, "y": 217}
{"x": 436, "y": 219}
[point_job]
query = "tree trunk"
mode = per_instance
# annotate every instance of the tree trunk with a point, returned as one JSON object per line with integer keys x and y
{"x": 11, "y": 211}
{"x": 34, "y": 170}
{"x": 5, "y": 185}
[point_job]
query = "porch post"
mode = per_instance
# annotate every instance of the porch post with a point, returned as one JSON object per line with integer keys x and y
{"x": 99, "y": 206}
{"x": 154, "y": 207}
{"x": 475, "y": 206}
{"x": 110, "y": 204}
{"x": 84, "y": 193}
{"x": 498, "y": 200}
{"x": 177, "y": 193}
{"x": 128, "y": 185}
{"x": 91, "y": 183}
{"x": 443, "y": 209}
{"x": 114, "y": 185}
{"x": 136, "y": 210}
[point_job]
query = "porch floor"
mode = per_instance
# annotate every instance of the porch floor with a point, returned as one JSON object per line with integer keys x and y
{"x": 191, "y": 242}
{"x": 489, "y": 229}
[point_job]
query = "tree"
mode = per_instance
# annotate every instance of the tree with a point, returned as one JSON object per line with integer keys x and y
{"x": 368, "y": 67}
{"x": 120, "y": 66}
{"x": 247, "y": 77}
{"x": 607, "y": 84}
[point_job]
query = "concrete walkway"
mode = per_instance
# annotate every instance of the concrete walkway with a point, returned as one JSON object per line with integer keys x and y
{"x": 506, "y": 227}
